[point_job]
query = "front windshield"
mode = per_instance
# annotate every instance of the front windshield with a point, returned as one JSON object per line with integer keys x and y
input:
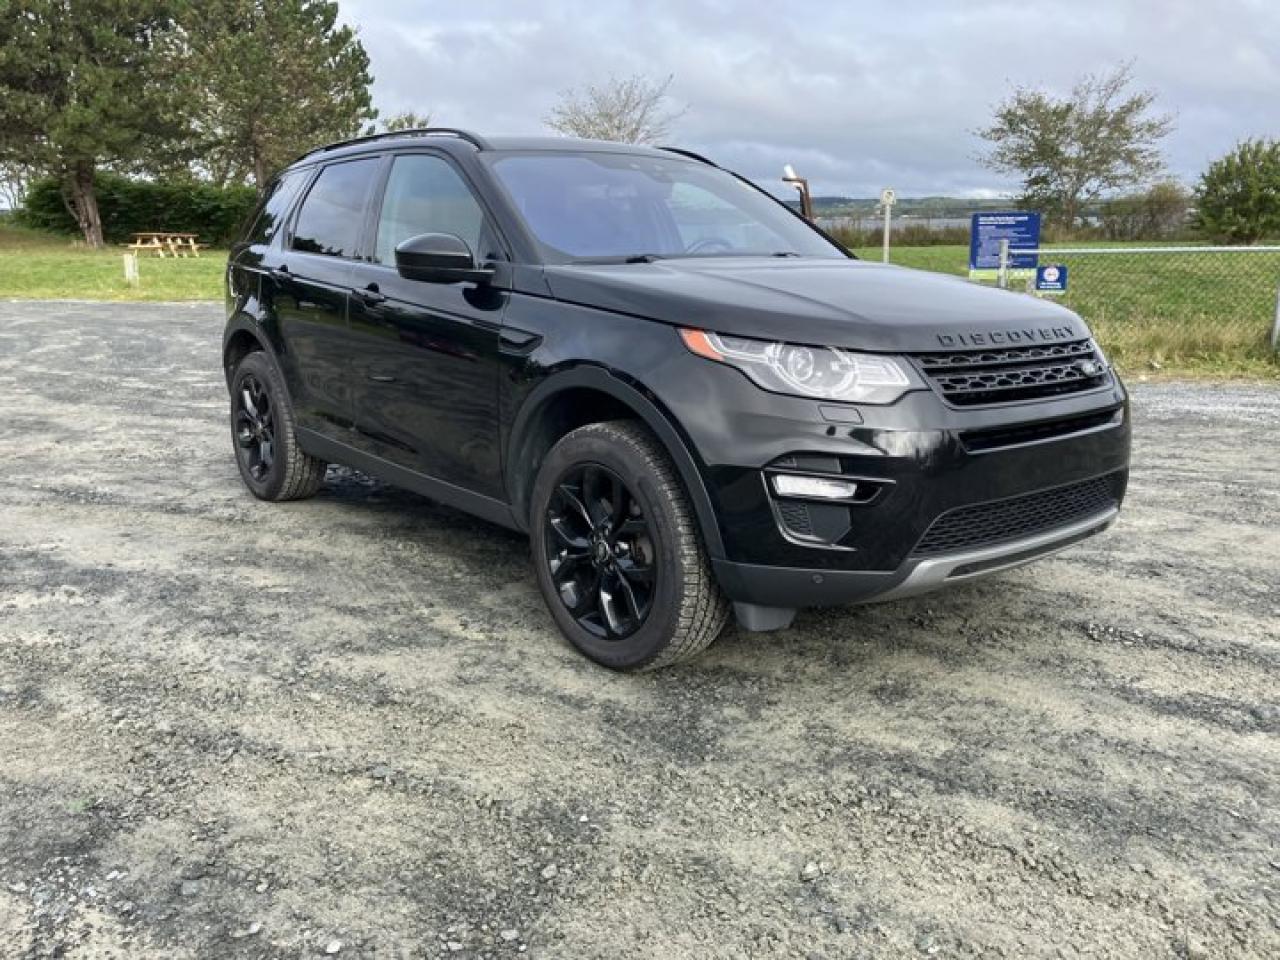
{"x": 607, "y": 206}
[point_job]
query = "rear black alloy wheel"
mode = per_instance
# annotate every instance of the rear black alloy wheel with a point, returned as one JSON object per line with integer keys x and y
{"x": 617, "y": 550}
{"x": 272, "y": 464}
{"x": 255, "y": 427}
{"x": 600, "y": 552}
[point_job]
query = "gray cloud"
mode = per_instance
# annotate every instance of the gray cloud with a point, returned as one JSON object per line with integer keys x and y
{"x": 858, "y": 95}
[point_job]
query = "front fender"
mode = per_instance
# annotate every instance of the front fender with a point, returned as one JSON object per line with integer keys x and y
{"x": 634, "y": 397}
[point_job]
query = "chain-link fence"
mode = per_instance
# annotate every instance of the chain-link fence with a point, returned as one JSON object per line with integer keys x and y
{"x": 1156, "y": 305}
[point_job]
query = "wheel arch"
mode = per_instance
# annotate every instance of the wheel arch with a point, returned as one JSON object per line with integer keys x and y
{"x": 242, "y": 337}
{"x": 589, "y": 394}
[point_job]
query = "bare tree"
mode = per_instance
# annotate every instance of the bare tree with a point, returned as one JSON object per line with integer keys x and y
{"x": 406, "y": 120}
{"x": 1070, "y": 151}
{"x": 629, "y": 110}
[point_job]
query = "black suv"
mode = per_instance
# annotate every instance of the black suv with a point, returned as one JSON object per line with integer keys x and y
{"x": 690, "y": 398}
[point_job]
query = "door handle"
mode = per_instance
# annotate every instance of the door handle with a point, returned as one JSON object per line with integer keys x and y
{"x": 371, "y": 296}
{"x": 280, "y": 274}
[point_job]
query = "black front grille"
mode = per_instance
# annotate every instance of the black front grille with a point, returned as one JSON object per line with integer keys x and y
{"x": 971, "y": 377}
{"x": 1002, "y": 521}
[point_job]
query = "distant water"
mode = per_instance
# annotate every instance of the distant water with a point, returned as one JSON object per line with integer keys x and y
{"x": 897, "y": 223}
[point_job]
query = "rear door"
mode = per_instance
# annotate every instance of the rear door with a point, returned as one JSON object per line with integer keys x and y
{"x": 306, "y": 285}
{"x": 251, "y": 254}
{"x": 426, "y": 364}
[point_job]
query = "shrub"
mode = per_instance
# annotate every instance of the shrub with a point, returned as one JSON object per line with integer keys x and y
{"x": 909, "y": 235}
{"x": 1238, "y": 200}
{"x": 1160, "y": 213}
{"x": 133, "y": 206}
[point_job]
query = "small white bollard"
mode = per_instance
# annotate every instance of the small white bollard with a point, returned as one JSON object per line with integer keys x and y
{"x": 131, "y": 269}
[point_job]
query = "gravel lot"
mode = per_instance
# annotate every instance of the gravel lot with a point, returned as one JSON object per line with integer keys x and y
{"x": 348, "y": 725}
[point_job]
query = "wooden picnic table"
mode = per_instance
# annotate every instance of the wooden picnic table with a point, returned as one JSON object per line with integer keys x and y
{"x": 166, "y": 243}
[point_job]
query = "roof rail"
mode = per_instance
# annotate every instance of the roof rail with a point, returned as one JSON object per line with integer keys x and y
{"x": 473, "y": 138}
{"x": 690, "y": 154}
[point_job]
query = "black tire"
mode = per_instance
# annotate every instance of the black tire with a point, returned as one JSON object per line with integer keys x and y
{"x": 639, "y": 622}
{"x": 271, "y": 463}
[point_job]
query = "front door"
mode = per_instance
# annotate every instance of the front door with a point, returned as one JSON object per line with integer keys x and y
{"x": 426, "y": 354}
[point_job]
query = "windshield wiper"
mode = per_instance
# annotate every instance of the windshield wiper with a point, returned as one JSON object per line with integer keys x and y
{"x": 628, "y": 258}
{"x": 653, "y": 257}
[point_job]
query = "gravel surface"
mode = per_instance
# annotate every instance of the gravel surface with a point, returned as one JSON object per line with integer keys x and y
{"x": 348, "y": 726}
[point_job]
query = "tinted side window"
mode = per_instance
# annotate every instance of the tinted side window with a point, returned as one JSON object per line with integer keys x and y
{"x": 331, "y": 215}
{"x": 275, "y": 206}
{"x": 426, "y": 195}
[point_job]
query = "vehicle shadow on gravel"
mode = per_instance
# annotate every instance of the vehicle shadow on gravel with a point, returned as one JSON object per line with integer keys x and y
{"x": 831, "y": 635}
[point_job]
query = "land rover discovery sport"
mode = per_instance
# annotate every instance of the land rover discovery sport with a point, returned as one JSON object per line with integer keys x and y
{"x": 691, "y": 399}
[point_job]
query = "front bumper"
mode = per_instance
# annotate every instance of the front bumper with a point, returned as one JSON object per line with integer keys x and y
{"x": 790, "y": 587}
{"x": 921, "y": 458}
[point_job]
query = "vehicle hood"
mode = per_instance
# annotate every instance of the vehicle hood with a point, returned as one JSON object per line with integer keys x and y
{"x": 846, "y": 303}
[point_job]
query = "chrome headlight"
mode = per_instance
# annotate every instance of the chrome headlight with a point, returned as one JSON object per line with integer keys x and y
{"x": 823, "y": 373}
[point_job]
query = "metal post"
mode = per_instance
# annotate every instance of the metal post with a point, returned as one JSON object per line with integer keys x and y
{"x": 888, "y": 214}
{"x": 1275, "y": 327}
{"x": 1002, "y": 274}
{"x": 806, "y": 200}
{"x": 887, "y": 199}
{"x": 801, "y": 185}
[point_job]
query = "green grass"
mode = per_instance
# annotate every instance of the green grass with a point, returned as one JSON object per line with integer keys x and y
{"x": 938, "y": 259}
{"x": 44, "y": 266}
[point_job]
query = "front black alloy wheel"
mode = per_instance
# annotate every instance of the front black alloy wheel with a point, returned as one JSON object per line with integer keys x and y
{"x": 617, "y": 550}
{"x": 600, "y": 551}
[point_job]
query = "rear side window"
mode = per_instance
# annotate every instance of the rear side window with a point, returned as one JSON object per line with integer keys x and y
{"x": 331, "y": 215}
{"x": 426, "y": 195}
{"x": 275, "y": 206}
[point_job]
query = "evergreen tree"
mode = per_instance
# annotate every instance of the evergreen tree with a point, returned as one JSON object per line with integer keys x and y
{"x": 267, "y": 80}
{"x": 80, "y": 88}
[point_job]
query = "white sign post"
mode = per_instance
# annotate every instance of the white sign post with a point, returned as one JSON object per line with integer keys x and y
{"x": 887, "y": 199}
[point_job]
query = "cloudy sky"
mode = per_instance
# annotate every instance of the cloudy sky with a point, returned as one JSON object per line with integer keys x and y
{"x": 857, "y": 94}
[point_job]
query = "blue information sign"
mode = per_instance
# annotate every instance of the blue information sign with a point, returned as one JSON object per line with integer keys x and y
{"x": 1051, "y": 278}
{"x": 1022, "y": 230}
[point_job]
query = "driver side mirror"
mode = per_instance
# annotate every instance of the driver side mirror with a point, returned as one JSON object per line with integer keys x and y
{"x": 439, "y": 258}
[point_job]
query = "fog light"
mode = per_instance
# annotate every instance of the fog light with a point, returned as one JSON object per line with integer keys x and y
{"x": 819, "y": 488}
